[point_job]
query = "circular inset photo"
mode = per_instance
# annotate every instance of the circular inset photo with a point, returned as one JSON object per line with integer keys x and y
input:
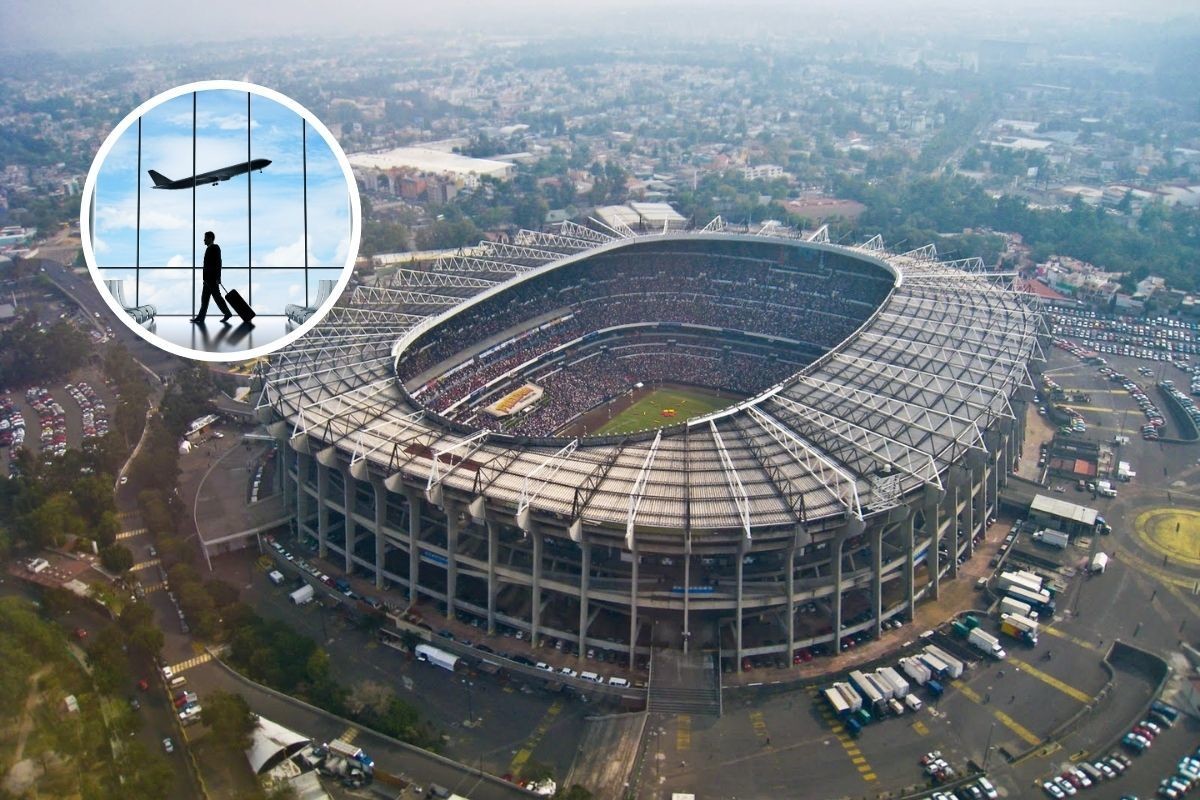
{"x": 220, "y": 220}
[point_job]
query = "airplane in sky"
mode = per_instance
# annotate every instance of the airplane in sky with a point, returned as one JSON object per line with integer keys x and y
{"x": 214, "y": 176}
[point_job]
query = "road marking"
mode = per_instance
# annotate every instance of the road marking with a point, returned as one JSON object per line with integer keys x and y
{"x": 129, "y": 534}
{"x": 1068, "y": 637}
{"x": 203, "y": 658}
{"x": 760, "y": 727}
{"x": 150, "y": 588}
{"x": 920, "y": 728}
{"x": 534, "y": 738}
{"x": 349, "y": 735}
{"x": 144, "y": 565}
{"x": 125, "y": 516}
{"x": 1050, "y": 680}
{"x": 848, "y": 744}
{"x": 1004, "y": 719}
{"x": 683, "y": 732}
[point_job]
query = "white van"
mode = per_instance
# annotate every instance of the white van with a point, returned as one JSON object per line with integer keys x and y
{"x": 912, "y": 701}
{"x": 178, "y": 682}
{"x": 275, "y": 576}
{"x": 591, "y": 677}
{"x": 620, "y": 683}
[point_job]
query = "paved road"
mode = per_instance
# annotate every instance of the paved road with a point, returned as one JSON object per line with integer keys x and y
{"x": 389, "y": 756}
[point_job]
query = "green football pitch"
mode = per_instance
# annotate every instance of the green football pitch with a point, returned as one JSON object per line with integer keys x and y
{"x": 648, "y": 411}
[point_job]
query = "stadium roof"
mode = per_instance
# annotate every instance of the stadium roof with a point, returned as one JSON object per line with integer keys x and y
{"x": 884, "y": 414}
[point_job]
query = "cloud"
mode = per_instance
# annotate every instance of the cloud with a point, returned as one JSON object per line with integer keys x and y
{"x": 287, "y": 255}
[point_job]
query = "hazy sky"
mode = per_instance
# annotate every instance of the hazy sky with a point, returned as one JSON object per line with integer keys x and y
{"x": 70, "y": 24}
{"x": 277, "y": 251}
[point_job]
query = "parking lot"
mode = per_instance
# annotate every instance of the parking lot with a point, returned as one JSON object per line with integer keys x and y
{"x": 50, "y": 419}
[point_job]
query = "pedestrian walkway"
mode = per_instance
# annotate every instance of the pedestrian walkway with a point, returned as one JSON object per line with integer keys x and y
{"x": 129, "y": 534}
{"x": 144, "y": 565}
{"x": 349, "y": 735}
{"x": 848, "y": 744}
{"x": 196, "y": 661}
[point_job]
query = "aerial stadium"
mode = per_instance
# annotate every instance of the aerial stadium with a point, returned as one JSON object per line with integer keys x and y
{"x": 747, "y": 442}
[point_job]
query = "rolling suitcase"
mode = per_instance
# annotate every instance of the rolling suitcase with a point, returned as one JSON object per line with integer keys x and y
{"x": 239, "y": 306}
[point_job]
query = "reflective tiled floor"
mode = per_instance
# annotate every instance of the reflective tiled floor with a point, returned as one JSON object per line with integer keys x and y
{"x": 214, "y": 337}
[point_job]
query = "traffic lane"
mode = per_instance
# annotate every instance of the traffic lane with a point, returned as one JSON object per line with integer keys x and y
{"x": 505, "y": 715}
{"x": 389, "y": 757}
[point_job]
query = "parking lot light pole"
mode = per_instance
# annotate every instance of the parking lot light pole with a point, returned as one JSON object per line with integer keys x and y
{"x": 987, "y": 751}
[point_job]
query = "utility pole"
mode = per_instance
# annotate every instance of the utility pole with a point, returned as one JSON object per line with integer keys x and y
{"x": 987, "y": 751}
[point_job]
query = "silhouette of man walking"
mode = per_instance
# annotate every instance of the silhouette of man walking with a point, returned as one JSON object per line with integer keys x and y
{"x": 211, "y": 277}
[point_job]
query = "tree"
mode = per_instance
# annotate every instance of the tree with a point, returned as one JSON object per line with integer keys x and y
{"x": 368, "y": 696}
{"x": 106, "y": 656}
{"x": 145, "y": 773}
{"x": 141, "y": 632}
{"x": 228, "y": 716}
{"x": 116, "y": 558}
{"x": 575, "y": 792}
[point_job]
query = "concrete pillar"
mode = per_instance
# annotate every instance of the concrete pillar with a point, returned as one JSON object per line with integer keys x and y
{"x": 877, "y": 579}
{"x": 493, "y": 534}
{"x": 954, "y": 494}
{"x": 585, "y": 574}
{"x": 380, "y": 521}
{"x": 633, "y": 603}
{"x": 451, "y": 557}
{"x": 535, "y": 614}
{"x": 322, "y": 510}
{"x": 348, "y": 499}
{"x": 1003, "y": 465}
{"x": 910, "y": 568}
{"x": 301, "y": 493}
{"x": 933, "y": 558}
{"x": 970, "y": 521}
{"x": 836, "y": 553}
{"x": 687, "y": 590}
{"x": 414, "y": 544}
{"x": 741, "y": 557}
{"x": 790, "y": 581}
{"x": 286, "y": 484}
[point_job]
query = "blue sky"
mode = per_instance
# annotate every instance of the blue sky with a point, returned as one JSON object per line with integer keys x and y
{"x": 277, "y": 237}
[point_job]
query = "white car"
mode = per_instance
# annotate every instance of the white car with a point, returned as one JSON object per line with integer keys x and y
{"x": 168, "y": 745}
{"x": 568, "y": 672}
{"x": 543, "y": 666}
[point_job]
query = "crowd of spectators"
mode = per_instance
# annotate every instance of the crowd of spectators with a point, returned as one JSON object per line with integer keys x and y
{"x": 574, "y": 389}
{"x": 815, "y": 306}
{"x": 770, "y": 296}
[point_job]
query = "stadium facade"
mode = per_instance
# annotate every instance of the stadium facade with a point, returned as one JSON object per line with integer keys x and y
{"x": 831, "y": 500}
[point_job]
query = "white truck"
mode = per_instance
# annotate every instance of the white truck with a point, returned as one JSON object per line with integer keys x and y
{"x": 870, "y": 693}
{"x": 853, "y": 699}
{"x": 956, "y": 666}
{"x": 987, "y": 643}
{"x": 915, "y": 669}
{"x": 302, "y": 595}
{"x": 1099, "y": 563}
{"x": 439, "y": 658}
{"x": 1052, "y": 538}
{"x": 1023, "y": 580}
{"x": 899, "y": 685}
{"x": 1011, "y": 605}
{"x": 1105, "y": 489}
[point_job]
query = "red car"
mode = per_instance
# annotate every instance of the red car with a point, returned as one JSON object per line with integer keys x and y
{"x": 81, "y": 634}
{"x": 144, "y": 685}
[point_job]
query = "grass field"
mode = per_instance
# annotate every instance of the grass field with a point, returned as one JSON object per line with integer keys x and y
{"x": 647, "y": 411}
